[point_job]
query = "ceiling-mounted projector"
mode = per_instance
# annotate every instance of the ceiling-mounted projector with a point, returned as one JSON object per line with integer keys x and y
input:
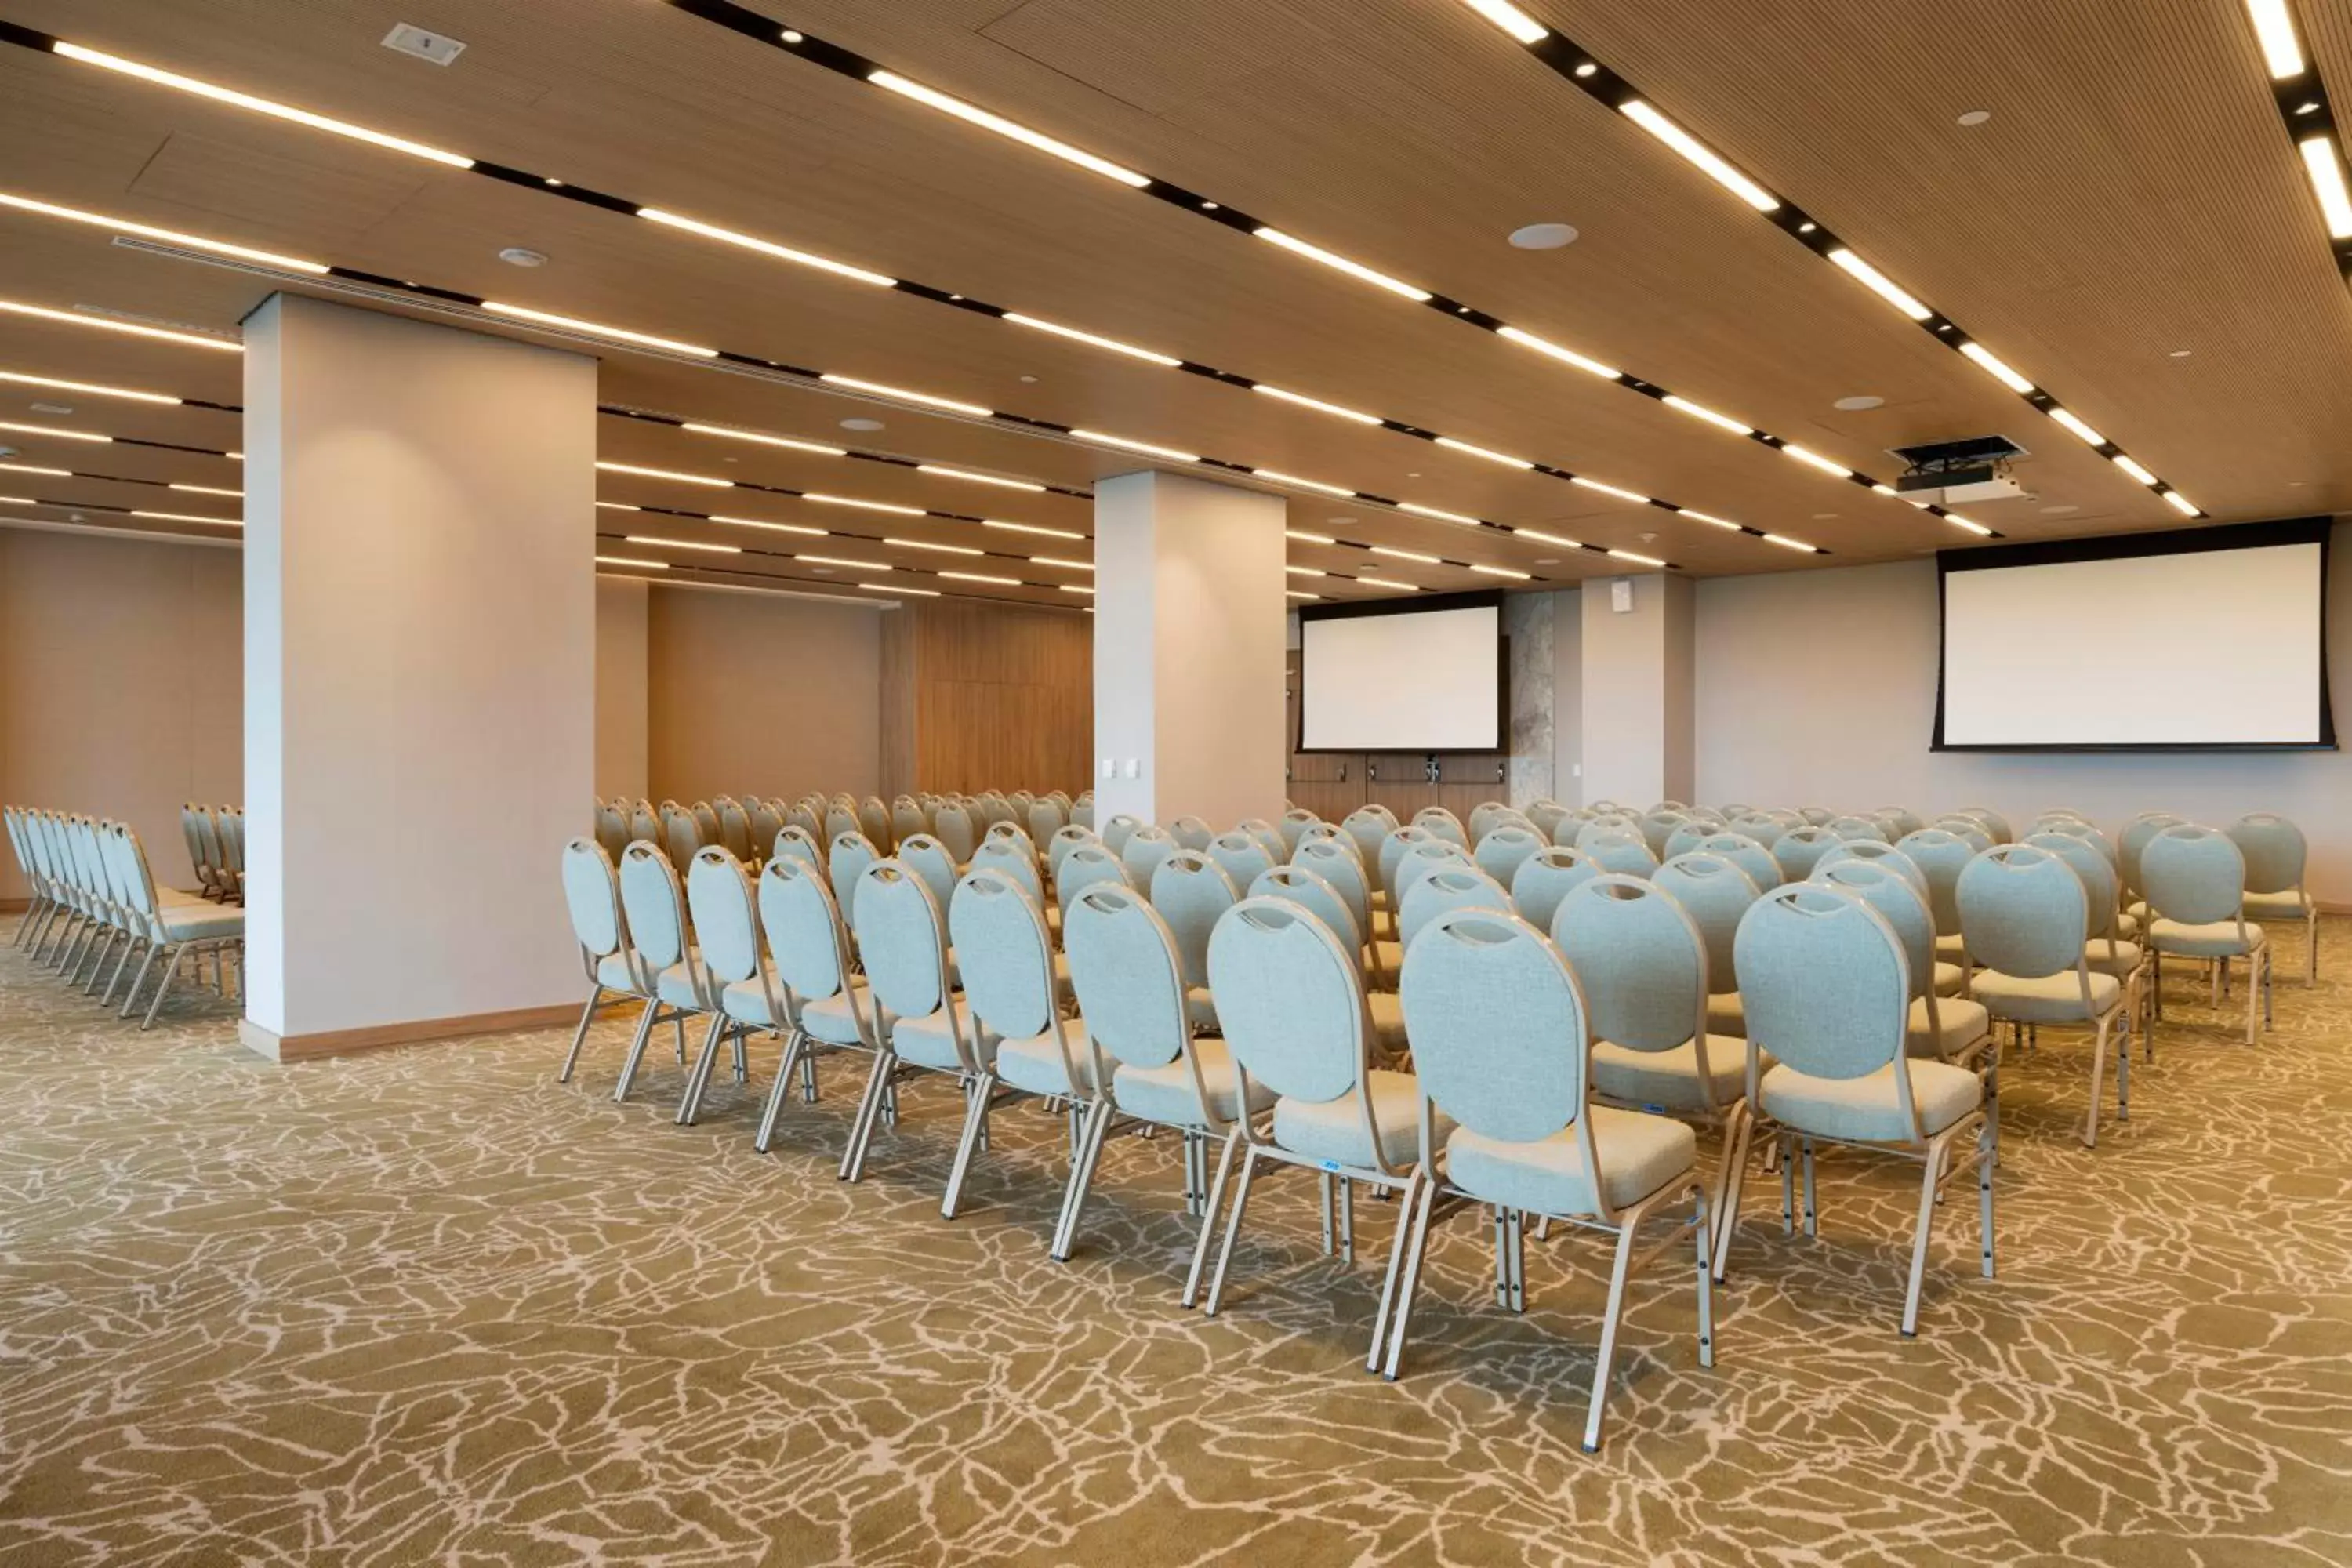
{"x": 1958, "y": 473}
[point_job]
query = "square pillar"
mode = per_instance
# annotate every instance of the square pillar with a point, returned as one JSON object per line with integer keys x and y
{"x": 1189, "y": 700}
{"x": 1636, "y": 684}
{"x": 420, "y": 675}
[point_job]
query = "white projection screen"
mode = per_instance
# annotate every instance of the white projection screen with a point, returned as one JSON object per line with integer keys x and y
{"x": 1427, "y": 679}
{"x": 2201, "y": 638}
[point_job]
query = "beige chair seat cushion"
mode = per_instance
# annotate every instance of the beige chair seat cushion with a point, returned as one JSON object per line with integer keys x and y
{"x": 1164, "y": 1094}
{"x": 1638, "y": 1153}
{"x": 931, "y": 1041}
{"x": 2120, "y": 959}
{"x": 746, "y": 1002}
{"x": 674, "y": 985}
{"x": 1036, "y": 1064}
{"x": 1669, "y": 1080}
{"x": 167, "y": 897}
{"x": 201, "y": 922}
{"x": 2289, "y": 905}
{"x": 1951, "y": 949}
{"x": 1867, "y": 1109}
{"x": 1333, "y": 1129}
{"x": 1950, "y": 978}
{"x": 1961, "y": 1023}
{"x": 613, "y": 973}
{"x": 830, "y": 1020}
{"x": 2219, "y": 939}
{"x": 2128, "y": 925}
{"x": 1391, "y": 958}
{"x": 2047, "y": 998}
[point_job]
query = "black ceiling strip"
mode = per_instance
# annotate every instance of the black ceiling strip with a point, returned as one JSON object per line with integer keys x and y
{"x": 166, "y": 445}
{"x": 2306, "y": 109}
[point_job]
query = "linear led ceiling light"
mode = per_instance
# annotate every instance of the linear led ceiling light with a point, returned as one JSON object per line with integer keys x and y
{"x": 94, "y": 389}
{"x": 79, "y": 319}
{"x": 973, "y": 115}
{"x": 169, "y": 236}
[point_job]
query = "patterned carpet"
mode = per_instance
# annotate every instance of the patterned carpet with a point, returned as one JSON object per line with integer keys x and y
{"x": 427, "y": 1306}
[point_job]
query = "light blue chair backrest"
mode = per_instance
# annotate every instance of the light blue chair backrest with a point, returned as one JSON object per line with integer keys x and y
{"x": 1764, "y": 829}
{"x": 1994, "y": 822}
{"x": 1269, "y": 836}
{"x": 1458, "y": 886}
{"x": 1370, "y": 827}
{"x": 952, "y": 825}
{"x": 1431, "y": 854}
{"x": 2079, "y": 828}
{"x": 2193, "y": 875}
{"x": 766, "y": 822}
{"x": 1046, "y": 818}
{"x": 656, "y": 912}
{"x": 726, "y": 928}
{"x": 1852, "y": 829}
{"x": 1439, "y": 823}
{"x": 1064, "y": 839}
{"x": 1337, "y": 861}
{"x": 928, "y": 858}
{"x": 1016, "y": 858}
{"x": 1608, "y": 822}
{"x": 1745, "y": 853}
{"x": 1504, "y": 847}
{"x": 907, "y": 818}
{"x": 1126, "y": 972}
{"x": 1659, "y": 827}
{"x": 2026, "y": 912}
{"x": 1621, "y": 850}
{"x": 901, "y": 939}
{"x": 591, "y": 893}
{"x": 1087, "y": 866}
{"x": 1544, "y": 817}
{"x": 1290, "y": 999}
{"x": 1898, "y": 820}
{"x": 1241, "y": 856}
{"x": 1146, "y": 848}
{"x": 1877, "y": 852}
{"x": 1497, "y": 1026}
{"x": 1191, "y": 833}
{"x": 1823, "y": 983}
{"x": 807, "y": 940}
{"x": 1003, "y": 956}
{"x": 1393, "y": 849}
{"x": 1903, "y": 907}
{"x": 1714, "y": 891}
{"x": 1320, "y": 898}
{"x": 1545, "y": 878}
{"x": 2097, "y": 873}
{"x": 873, "y": 821}
{"x": 1940, "y": 854}
{"x": 1640, "y": 959}
{"x": 2134, "y": 841}
{"x": 2274, "y": 851}
{"x": 1294, "y": 822}
{"x": 839, "y": 818}
{"x": 1801, "y": 849}
{"x": 1192, "y": 892}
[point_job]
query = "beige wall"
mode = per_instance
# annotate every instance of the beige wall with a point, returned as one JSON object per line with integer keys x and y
{"x": 623, "y": 767}
{"x": 1820, "y": 688}
{"x": 761, "y": 693}
{"x": 1635, "y": 668}
{"x": 119, "y": 684}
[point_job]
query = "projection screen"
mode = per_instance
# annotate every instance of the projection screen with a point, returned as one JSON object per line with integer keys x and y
{"x": 1424, "y": 679}
{"x": 2201, "y": 638}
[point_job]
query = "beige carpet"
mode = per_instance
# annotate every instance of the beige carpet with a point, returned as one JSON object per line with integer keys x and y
{"x": 427, "y": 1306}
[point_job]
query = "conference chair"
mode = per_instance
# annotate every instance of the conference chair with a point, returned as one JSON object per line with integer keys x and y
{"x": 2129, "y": 844}
{"x": 1130, "y": 988}
{"x": 653, "y": 906}
{"x": 1815, "y": 815}
{"x": 1011, "y": 986}
{"x": 1941, "y": 854}
{"x": 1501, "y": 1047}
{"x": 2028, "y": 919}
{"x": 1607, "y": 822}
{"x": 928, "y": 858}
{"x": 1448, "y": 887}
{"x": 827, "y": 1007}
{"x": 1642, "y": 962}
{"x": 1547, "y": 876}
{"x": 1714, "y": 891}
{"x": 952, "y": 825}
{"x": 2196, "y": 886}
{"x": 1995, "y": 824}
{"x": 1799, "y": 849}
{"x": 1082, "y": 810}
{"x": 1191, "y": 833}
{"x": 1826, "y": 991}
{"x": 1877, "y": 852}
{"x": 1850, "y": 829}
{"x": 1660, "y": 826}
{"x": 2276, "y": 854}
{"x": 1544, "y": 815}
{"x": 739, "y": 988}
{"x": 1897, "y": 820}
{"x": 592, "y": 893}
{"x": 171, "y": 932}
{"x": 1762, "y": 826}
{"x": 1297, "y": 1020}
{"x": 1948, "y": 1027}
{"x": 1241, "y": 856}
{"x": 873, "y": 821}
{"x": 907, "y": 818}
{"x": 1621, "y": 851}
{"x": 1085, "y": 866}
{"x": 1294, "y": 823}
{"x": 1146, "y": 848}
{"x": 1117, "y": 830}
{"x": 1747, "y": 853}
{"x": 734, "y": 828}
{"x": 682, "y": 835}
{"x": 1969, "y": 830}
{"x": 2105, "y": 949}
{"x": 1268, "y": 837}
{"x": 612, "y": 828}
{"x": 1314, "y": 893}
{"x": 1439, "y": 823}
{"x": 1336, "y": 862}
{"x": 767, "y": 819}
{"x": 1504, "y": 847}
{"x": 1418, "y": 861}
{"x": 1191, "y": 891}
{"x": 1370, "y": 827}
{"x": 846, "y": 865}
{"x": 1046, "y": 818}
{"x": 1064, "y": 839}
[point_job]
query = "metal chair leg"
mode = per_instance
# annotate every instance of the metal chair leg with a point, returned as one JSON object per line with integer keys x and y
{"x": 163, "y": 987}
{"x": 580, "y": 1035}
{"x": 1208, "y": 1222}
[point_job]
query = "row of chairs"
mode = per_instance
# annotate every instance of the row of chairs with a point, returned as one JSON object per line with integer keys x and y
{"x": 747, "y": 828}
{"x": 1499, "y": 1115}
{"x": 216, "y": 837}
{"x": 95, "y": 896}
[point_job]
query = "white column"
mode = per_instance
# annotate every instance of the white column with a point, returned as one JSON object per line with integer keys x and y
{"x": 1189, "y": 615}
{"x": 1636, "y": 690}
{"x": 420, "y": 626}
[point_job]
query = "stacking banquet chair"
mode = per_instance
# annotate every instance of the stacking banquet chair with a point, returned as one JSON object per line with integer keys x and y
{"x": 591, "y": 892}
{"x": 1242, "y": 856}
{"x": 1158, "y": 1072}
{"x": 907, "y": 818}
{"x": 1192, "y": 892}
{"x": 1191, "y": 833}
{"x": 1337, "y": 861}
{"x": 846, "y": 866}
{"x": 1946, "y": 1027}
{"x": 998, "y": 930}
{"x": 1544, "y": 815}
{"x": 682, "y": 835}
{"x": 951, "y": 824}
{"x": 1621, "y": 851}
{"x": 659, "y": 959}
{"x": 734, "y": 828}
{"x": 730, "y": 967}
{"x": 1798, "y": 849}
{"x": 170, "y": 931}
{"x": 840, "y": 818}
{"x": 767, "y": 821}
{"x": 1942, "y": 853}
{"x": 1082, "y": 810}
{"x": 2274, "y": 854}
{"x": 1763, "y": 829}
{"x": 1854, "y": 828}
{"x": 928, "y": 858}
{"x": 1296, "y": 822}
{"x": 1460, "y": 886}
{"x": 922, "y": 1023}
{"x": 2029, "y": 919}
{"x": 1547, "y": 876}
{"x": 1047, "y": 817}
{"x": 1297, "y": 1020}
{"x": 1370, "y": 827}
{"x": 1826, "y": 988}
{"x": 1995, "y": 824}
{"x": 1661, "y": 825}
{"x": 826, "y": 1008}
{"x": 1714, "y": 891}
{"x": 1439, "y": 823}
{"x": 1082, "y": 867}
{"x": 1504, "y": 848}
{"x": 2195, "y": 879}
{"x": 873, "y": 821}
{"x": 209, "y": 874}
{"x": 1897, "y": 820}
{"x": 1058, "y": 847}
{"x": 1315, "y": 894}
{"x": 1642, "y": 962}
{"x": 612, "y": 828}
{"x": 1146, "y": 848}
{"x": 1114, "y": 833}
{"x": 2106, "y": 949}
{"x": 1748, "y": 854}
{"x": 1500, "y": 1045}
{"x": 232, "y": 830}
{"x": 212, "y": 871}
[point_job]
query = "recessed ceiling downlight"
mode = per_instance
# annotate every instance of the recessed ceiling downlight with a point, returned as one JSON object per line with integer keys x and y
{"x": 1857, "y": 405}
{"x": 861, "y": 425}
{"x": 1975, "y": 117}
{"x": 520, "y": 256}
{"x": 1544, "y": 236}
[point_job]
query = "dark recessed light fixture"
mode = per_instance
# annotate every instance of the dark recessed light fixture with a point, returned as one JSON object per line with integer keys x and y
{"x": 1544, "y": 236}
{"x": 1859, "y": 403}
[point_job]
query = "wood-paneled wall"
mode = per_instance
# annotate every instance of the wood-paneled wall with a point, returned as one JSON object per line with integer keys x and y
{"x": 986, "y": 696}
{"x": 1332, "y": 784}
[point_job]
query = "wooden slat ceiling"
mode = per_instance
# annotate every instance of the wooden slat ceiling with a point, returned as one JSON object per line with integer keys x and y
{"x": 2133, "y": 195}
